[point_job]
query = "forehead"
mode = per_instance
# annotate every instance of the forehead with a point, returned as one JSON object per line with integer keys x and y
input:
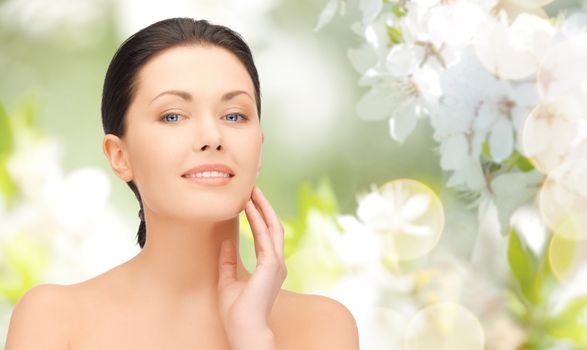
{"x": 202, "y": 70}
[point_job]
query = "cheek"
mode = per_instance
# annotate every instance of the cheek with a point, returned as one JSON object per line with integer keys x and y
{"x": 248, "y": 155}
{"x": 159, "y": 154}
{"x": 157, "y": 173}
{"x": 154, "y": 162}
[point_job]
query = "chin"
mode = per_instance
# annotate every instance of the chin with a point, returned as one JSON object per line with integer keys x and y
{"x": 214, "y": 213}
{"x": 214, "y": 205}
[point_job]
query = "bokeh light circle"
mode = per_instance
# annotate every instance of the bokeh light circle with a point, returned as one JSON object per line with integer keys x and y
{"x": 563, "y": 197}
{"x": 413, "y": 224}
{"x": 566, "y": 257}
{"x": 547, "y": 137}
{"x": 562, "y": 72}
{"x": 531, "y": 4}
{"x": 444, "y": 326}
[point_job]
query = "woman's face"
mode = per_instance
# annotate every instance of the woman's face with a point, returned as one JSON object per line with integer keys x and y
{"x": 193, "y": 105}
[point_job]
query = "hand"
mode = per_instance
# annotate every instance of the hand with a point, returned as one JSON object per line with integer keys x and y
{"x": 245, "y": 306}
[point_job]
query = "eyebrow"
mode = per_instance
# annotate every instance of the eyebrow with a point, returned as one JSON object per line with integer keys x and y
{"x": 188, "y": 97}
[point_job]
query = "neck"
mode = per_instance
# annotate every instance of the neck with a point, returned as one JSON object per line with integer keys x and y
{"x": 180, "y": 259}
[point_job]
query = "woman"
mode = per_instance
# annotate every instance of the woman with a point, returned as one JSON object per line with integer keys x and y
{"x": 181, "y": 113}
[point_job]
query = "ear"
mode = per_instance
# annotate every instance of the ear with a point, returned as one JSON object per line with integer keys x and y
{"x": 113, "y": 148}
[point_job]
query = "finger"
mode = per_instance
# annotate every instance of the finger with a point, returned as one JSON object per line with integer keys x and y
{"x": 261, "y": 235}
{"x": 265, "y": 208}
{"x": 253, "y": 230}
{"x": 273, "y": 223}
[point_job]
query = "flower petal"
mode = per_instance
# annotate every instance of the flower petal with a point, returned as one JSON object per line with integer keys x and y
{"x": 501, "y": 140}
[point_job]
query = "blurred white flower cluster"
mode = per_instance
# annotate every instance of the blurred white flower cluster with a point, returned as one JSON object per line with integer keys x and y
{"x": 499, "y": 81}
{"x": 69, "y": 213}
{"x": 59, "y": 228}
{"x": 504, "y": 87}
{"x": 400, "y": 302}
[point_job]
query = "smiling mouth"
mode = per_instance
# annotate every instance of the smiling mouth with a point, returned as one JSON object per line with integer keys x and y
{"x": 209, "y": 178}
{"x": 208, "y": 175}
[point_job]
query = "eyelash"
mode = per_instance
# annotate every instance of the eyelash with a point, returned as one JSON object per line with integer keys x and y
{"x": 238, "y": 114}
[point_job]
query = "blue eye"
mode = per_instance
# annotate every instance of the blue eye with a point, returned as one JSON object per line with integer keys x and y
{"x": 165, "y": 117}
{"x": 234, "y": 116}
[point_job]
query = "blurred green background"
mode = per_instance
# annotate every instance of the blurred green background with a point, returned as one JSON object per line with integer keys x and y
{"x": 53, "y": 58}
{"x": 63, "y": 68}
{"x": 317, "y": 152}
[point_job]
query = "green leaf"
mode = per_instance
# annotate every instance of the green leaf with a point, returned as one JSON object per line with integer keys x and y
{"x": 524, "y": 163}
{"x": 548, "y": 279}
{"x": 567, "y": 323}
{"x": 26, "y": 261}
{"x": 516, "y": 306}
{"x": 493, "y": 167}
{"x": 306, "y": 248}
{"x": 6, "y": 137}
{"x": 322, "y": 198}
{"x": 485, "y": 149}
{"x": 8, "y": 187}
{"x": 519, "y": 161}
{"x": 525, "y": 267}
{"x": 25, "y": 111}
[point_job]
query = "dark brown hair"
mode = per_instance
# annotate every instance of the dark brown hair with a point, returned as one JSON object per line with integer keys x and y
{"x": 139, "y": 48}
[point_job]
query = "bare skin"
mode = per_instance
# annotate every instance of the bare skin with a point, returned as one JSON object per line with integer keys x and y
{"x": 108, "y": 312}
{"x": 110, "y": 315}
{"x": 192, "y": 105}
{"x": 195, "y": 105}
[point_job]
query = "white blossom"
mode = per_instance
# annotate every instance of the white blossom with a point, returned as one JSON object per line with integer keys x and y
{"x": 327, "y": 14}
{"x": 394, "y": 209}
{"x": 370, "y": 9}
{"x": 513, "y": 51}
{"x": 68, "y": 215}
{"x": 451, "y": 24}
{"x": 357, "y": 246}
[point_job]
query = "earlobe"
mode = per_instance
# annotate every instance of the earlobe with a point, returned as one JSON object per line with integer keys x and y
{"x": 113, "y": 148}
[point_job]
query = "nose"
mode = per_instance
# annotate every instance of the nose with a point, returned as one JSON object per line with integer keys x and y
{"x": 209, "y": 135}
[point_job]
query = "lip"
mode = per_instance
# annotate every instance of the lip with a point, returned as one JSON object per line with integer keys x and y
{"x": 210, "y": 167}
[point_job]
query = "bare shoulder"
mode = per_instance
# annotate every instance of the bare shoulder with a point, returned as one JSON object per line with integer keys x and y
{"x": 39, "y": 319}
{"x": 323, "y": 322}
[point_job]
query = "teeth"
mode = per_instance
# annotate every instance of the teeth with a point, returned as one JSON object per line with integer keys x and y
{"x": 208, "y": 174}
